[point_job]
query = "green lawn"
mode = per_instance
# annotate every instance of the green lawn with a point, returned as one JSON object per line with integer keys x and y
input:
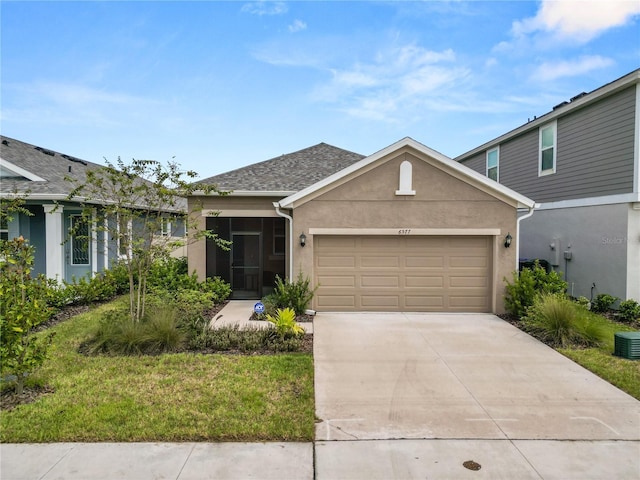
{"x": 178, "y": 397}
{"x": 623, "y": 373}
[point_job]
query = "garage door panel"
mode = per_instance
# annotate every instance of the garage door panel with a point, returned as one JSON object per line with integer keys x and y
{"x": 373, "y": 301}
{"x": 337, "y": 280}
{"x": 423, "y": 281}
{"x": 372, "y": 261}
{"x": 410, "y": 273}
{"x": 414, "y": 261}
{"x": 333, "y": 301}
{"x": 332, "y": 261}
{"x": 380, "y": 281}
{"x": 468, "y": 282}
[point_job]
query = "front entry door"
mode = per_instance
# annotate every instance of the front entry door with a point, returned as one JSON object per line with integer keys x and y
{"x": 245, "y": 265}
{"x": 77, "y": 248}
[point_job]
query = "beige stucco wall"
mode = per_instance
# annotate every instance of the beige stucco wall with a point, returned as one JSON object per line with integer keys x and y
{"x": 368, "y": 200}
{"x": 227, "y": 206}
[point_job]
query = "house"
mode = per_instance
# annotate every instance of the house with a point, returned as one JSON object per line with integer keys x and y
{"x": 581, "y": 163}
{"x": 39, "y": 176}
{"x": 403, "y": 229}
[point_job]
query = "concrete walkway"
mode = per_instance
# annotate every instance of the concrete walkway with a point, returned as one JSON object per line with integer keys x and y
{"x": 238, "y": 312}
{"x": 518, "y": 440}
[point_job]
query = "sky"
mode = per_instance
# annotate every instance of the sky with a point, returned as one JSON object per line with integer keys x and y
{"x": 216, "y": 86}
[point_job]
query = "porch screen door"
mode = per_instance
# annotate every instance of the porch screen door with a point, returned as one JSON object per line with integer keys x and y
{"x": 245, "y": 265}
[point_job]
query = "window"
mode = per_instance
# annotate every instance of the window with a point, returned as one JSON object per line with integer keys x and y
{"x": 4, "y": 228}
{"x": 124, "y": 236}
{"x": 547, "y": 161}
{"x": 79, "y": 240}
{"x": 166, "y": 227}
{"x": 493, "y": 161}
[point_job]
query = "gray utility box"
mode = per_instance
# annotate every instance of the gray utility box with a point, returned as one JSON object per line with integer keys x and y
{"x": 627, "y": 345}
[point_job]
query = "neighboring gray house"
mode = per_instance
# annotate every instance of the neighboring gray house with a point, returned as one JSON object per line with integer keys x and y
{"x": 39, "y": 174}
{"x": 580, "y": 163}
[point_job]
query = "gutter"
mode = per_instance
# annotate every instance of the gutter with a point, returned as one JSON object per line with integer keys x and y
{"x": 276, "y": 205}
{"x": 519, "y": 219}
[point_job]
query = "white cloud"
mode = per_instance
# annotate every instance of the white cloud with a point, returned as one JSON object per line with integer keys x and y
{"x": 398, "y": 81}
{"x": 578, "y": 20}
{"x": 297, "y": 26}
{"x": 265, "y": 8}
{"x": 571, "y": 68}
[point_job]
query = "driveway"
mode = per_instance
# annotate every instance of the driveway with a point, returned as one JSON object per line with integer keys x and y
{"x": 456, "y": 376}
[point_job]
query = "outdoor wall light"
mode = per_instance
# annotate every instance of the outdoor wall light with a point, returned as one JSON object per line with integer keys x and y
{"x": 507, "y": 240}
{"x": 303, "y": 239}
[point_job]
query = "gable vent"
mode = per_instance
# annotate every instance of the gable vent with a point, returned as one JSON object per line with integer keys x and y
{"x": 45, "y": 151}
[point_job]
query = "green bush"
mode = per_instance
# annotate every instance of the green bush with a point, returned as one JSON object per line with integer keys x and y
{"x": 287, "y": 294}
{"x": 116, "y": 334}
{"x": 23, "y": 306}
{"x": 558, "y": 321}
{"x": 284, "y": 322}
{"x": 629, "y": 311}
{"x": 528, "y": 284}
{"x": 583, "y": 302}
{"x": 245, "y": 340}
{"x": 218, "y": 287}
{"x": 603, "y": 302}
{"x": 85, "y": 291}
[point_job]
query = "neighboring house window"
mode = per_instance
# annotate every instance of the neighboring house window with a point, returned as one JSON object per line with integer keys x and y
{"x": 166, "y": 227}
{"x": 79, "y": 240}
{"x": 493, "y": 161}
{"x": 4, "y": 228}
{"x": 547, "y": 161}
{"x": 124, "y": 237}
{"x": 278, "y": 238}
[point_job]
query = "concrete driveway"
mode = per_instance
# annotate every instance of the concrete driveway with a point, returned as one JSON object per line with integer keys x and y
{"x": 461, "y": 387}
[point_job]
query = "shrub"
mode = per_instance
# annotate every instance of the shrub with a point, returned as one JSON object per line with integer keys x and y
{"x": 23, "y": 306}
{"x": 218, "y": 287}
{"x": 157, "y": 332}
{"x": 528, "y": 284}
{"x": 287, "y": 294}
{"x": 602, "y": 303}
{"x": 245, "y": 340}
{"x": 560, "y": 322}
{"x": 85, "y": 291}
{"x": 583, "y": 302}
{"x": 285, "y": 323}
{"x": 629, "y": 311}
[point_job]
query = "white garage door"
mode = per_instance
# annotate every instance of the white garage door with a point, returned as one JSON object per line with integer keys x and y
{"x": 403, "y": 273}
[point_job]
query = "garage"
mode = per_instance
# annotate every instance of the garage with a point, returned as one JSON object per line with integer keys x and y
{"x": 403, "y": 273}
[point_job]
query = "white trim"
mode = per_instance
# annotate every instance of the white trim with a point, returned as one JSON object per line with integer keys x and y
{"x": 20, "y": 171}
{"x": 94, "y": 243}
{"x": 636, "y": 144}
{"x": 239, "y": 213}
{"x": 53, "y": 239}
{"x": 474, "y": 177}
{"x": 599, "y": 93}
{"x": 633, "y": 254}
{"x": 105, "y": 246}
{"x": 406, "y": 231}
{"x": 497, "y": 167}
{"x": 591, "y": 201}
{"x": 290, "y": 219}
{"x": 549, "y": 171}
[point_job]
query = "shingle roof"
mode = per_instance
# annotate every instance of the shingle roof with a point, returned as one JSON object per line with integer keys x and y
{"x": 51, "y": 166}
{"x": 287, "y": 173}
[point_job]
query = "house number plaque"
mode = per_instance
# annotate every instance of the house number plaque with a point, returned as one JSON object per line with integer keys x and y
{"x": 404, "y": 231}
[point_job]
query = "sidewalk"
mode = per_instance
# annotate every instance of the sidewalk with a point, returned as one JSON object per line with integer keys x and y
{"x": 238, "y": 312}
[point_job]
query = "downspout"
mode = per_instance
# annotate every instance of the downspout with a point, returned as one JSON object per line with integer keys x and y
{"x": 288, "y": 217}
{"x": 519, "y": 219}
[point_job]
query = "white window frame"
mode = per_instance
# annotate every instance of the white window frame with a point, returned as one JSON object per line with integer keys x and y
{"x": 4, "y": 229}
{"x": 129, "y": 234}
{"x": 165, "y": 226}
{"x": 548, "y": 171}
{"x": 497, "y": 165}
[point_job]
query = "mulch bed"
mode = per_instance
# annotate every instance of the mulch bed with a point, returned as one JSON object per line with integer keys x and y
{"x": 9, "y": 399}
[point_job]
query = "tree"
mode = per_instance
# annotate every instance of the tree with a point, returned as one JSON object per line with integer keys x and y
{"x": 23, "y": 306}
{"x": 133, "y": 203}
